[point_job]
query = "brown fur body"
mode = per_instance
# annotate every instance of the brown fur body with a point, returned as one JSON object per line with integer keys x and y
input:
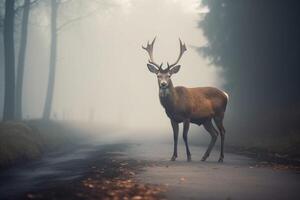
{"x": 194, "y": 104}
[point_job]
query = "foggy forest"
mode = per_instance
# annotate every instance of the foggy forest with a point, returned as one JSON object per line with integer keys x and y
{"x": 81, "y": 116}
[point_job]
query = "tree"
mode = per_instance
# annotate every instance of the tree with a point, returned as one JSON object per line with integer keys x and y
{"x": 9, "y": 57}
{"x": 54, "y": 30}
{"x": 52, "y": 61}
{"x": 21, "y": 59}
{"x": 257, "y": 44}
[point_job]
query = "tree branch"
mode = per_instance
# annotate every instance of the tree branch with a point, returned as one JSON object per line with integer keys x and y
{"x": 17, "y": 9}
{"x": 71, "y": 21}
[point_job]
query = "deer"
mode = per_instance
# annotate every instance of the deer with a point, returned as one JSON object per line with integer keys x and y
{"x": 199, "y": 105}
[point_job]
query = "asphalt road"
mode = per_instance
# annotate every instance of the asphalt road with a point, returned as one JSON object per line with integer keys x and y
{"x": 236, "y": 178}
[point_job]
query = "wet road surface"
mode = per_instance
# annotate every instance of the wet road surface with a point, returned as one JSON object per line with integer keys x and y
{"x": 236, "y": 178}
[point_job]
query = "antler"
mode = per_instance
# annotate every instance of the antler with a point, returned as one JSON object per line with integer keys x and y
{"x": 182, "y": 50}
{"x": 149, "y": 49}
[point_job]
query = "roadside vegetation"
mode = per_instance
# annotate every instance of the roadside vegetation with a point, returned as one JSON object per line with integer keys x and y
{"x": 29, "y": 140}
{"x": 279, "y": 147}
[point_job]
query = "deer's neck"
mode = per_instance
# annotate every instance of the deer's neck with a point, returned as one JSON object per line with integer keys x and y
{"x": 167, "y": 97}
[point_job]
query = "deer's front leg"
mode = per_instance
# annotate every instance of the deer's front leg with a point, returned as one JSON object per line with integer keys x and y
{"x": 175, "y": 134}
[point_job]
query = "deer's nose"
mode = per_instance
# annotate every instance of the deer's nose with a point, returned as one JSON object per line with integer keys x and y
{"x": 163, "y": 84}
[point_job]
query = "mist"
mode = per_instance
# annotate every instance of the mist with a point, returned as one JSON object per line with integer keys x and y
{"x": 87, "y": 113}
{"x": 101, "y": 71}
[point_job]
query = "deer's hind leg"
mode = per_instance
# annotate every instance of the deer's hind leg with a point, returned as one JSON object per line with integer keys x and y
{"x": 219, "y": 123}
{"x": 175, "y": 127}
{"x": 213, "y": 133}
{"x": 186, "y": 125}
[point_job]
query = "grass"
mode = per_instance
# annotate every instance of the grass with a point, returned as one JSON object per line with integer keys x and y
{"x": 23, "y": 141}
{"x": 18, "y": 142}
{"x": 278, "y": 146}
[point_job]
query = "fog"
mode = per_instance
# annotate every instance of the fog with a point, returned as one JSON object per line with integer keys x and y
{"x": 101, "y": 68}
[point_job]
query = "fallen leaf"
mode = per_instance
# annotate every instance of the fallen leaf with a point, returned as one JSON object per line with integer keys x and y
{"x": 137, "y": 198}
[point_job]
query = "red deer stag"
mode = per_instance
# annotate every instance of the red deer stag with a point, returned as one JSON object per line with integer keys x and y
{"x": 189, "y": 105}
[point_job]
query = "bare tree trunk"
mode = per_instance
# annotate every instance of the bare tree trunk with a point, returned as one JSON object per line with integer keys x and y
{"x": 21, "y": 59}
{"x": 9, "y": 57}
{"x": 52, "y": 62}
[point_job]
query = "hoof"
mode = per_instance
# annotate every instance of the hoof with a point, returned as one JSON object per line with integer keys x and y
{"x": 189, "y": 158}
{"x": 220, "y": 160}
{"x": 173, "y": 158}
{"x": 204, "y": 158}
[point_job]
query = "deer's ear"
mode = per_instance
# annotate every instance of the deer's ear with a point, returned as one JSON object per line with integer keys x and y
{"x": 152, "y": 68}
{"x": 175, "y": 69}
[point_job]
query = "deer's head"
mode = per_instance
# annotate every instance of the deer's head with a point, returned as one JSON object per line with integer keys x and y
{"x": 163, "y": 75}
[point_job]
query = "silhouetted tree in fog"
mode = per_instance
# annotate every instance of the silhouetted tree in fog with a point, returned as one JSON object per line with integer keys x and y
{"x": 52, "y": 61}
{"x": 9, "y": 57}
{"x": 21, "y": 59}
{"x": 2, "y": 8}
{"x": 54, "y": 30}
{"x": 257, "y": 44}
